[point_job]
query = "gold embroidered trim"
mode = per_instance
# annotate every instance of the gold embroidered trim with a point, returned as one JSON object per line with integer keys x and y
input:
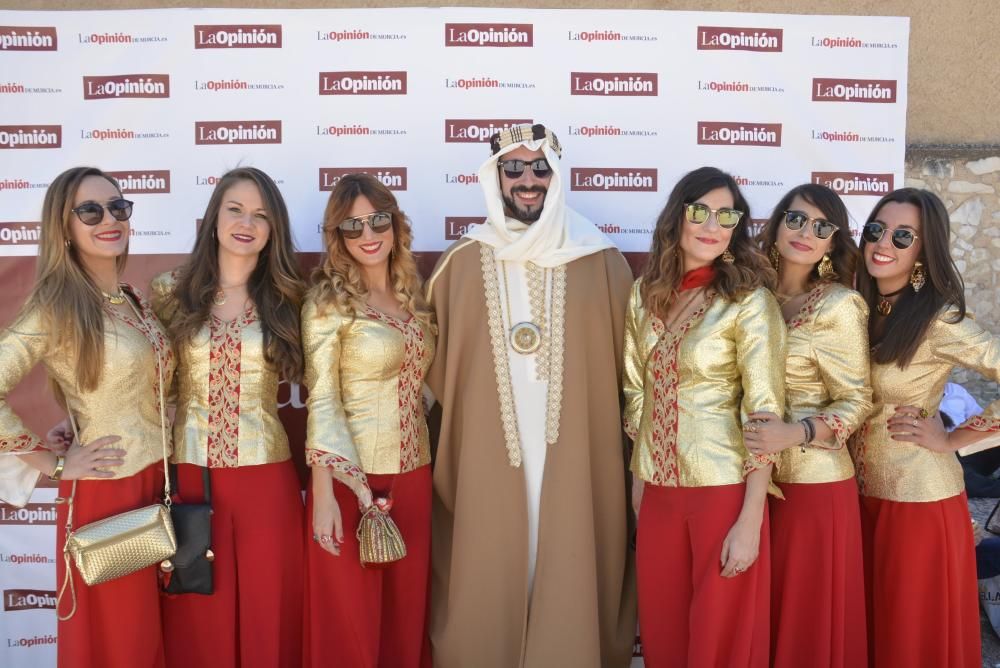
{"x": 536, "y": 297}
{"x": 556, "y": 350}
{"x": 501, "y": 365}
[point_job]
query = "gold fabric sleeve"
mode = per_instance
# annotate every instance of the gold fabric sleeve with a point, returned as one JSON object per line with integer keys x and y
{"x": 760, "y": 359}
{"x": 633, "y": 367}
{"x": 827, "y": 378}
{"x": 901, "y": 471}
{"x": 687, "y": 393}
{"x": 21, "y": 348}
{"x": 125, "y": 402}
{"x": 978, "y": 349}
{"x": 364, "y": 375}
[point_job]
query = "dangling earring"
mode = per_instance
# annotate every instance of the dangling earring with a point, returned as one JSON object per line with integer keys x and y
{"x": 68, "y": 244}
{"x": 775, "y": 257}
{"x": 728, "y": 257}
{"x": 918, "y": 277}
{"x": 825, "y": 268}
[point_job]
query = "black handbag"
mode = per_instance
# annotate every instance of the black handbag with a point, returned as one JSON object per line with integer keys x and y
{"x": 190, "y": 570}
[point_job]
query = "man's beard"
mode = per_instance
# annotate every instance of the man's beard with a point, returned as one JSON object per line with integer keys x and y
{"x": 524, "y": 215}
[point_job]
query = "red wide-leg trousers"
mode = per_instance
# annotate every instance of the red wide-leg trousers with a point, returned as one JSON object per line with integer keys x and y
{"x": 254, "y": 617}
{"x": 817, "y": 577}
{"x": 117, "y": 623}
{"x": 920, "y": 576}
{"x": 689, "y": 615}
{"x": 372, "y": 617}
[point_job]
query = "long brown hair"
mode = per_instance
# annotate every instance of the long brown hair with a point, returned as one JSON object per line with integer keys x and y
{"x": 70, "y": 303}
{"x": 912, "y": 315}
{"x": 844, "y": 253}
{"x": 338, "y": 280}
{"x": 275, "y": 286}
{"x": 665, "y": 268}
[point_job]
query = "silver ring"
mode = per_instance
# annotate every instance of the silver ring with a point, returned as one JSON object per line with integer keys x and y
{"x": 324, "y": 539}
{"x": 316, "y": 537}
{"x": 913, "y": 422}
{"x": 738, "y": 569}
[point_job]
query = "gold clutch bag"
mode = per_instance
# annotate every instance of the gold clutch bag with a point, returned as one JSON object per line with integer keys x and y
{"x": 379, "y": 540}
{"x": 122, "y": 544}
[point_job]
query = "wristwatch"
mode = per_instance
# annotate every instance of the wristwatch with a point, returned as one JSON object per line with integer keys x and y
{"x": 57, "y": 473}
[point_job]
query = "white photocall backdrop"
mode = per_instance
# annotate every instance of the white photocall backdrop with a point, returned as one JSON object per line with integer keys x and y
{"x": 171, "y": 99}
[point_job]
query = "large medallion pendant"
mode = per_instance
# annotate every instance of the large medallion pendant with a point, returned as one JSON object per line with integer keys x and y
{"x": 525, "y": 337}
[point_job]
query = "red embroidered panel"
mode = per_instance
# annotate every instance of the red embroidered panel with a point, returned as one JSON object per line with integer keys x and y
{"x": 225, "y": 350}
{"x": 979, "y": 423}
{"x": 149, "y": 326}
{"x": 840, "y": 432}
{"x": 663, "y": 367}
{"x": 857, "y": 446}
{"x": 409, "y": 387}
{"x": 808, "y": 306}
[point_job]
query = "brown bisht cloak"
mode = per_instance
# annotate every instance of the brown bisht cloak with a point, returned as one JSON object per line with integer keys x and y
{"x": 582, "y": 608}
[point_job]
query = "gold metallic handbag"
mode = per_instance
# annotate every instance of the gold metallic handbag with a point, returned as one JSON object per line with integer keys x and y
{"x": 124, "y": 543}
{"x": 379, "y": 540}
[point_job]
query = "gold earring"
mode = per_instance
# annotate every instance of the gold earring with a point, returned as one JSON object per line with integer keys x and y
{"x": 825, "y": 268}
{"x": 775, "y": 257}
{"x": 728, "y": 257}
{"x": 68, "y": 244}
{"x": 918, "y": 277}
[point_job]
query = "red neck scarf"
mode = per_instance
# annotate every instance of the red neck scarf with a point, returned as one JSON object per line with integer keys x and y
{"x": 697, "y": 278}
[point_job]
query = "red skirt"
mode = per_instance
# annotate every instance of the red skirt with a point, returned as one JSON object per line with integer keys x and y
{"x": 254, "y": 617}
{"x": 372, "y": 617}
{"x": 817, "y": 577}
{"x": 689, "y": 615}
{"x": 920, "y": 573}
{"x": 117, "y": 623}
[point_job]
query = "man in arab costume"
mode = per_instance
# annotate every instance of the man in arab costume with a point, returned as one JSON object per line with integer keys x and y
{"x": 530, "y": 560}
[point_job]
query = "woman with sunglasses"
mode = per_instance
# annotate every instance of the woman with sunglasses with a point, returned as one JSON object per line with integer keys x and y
{"x": 816, "y": 567}
{"x": 704, "y": 343}
{"x": 368, "y": 337}
{"x": 105, "y": 353}
{"x": 920, "y": 568}
{"x": 233, "y": 313}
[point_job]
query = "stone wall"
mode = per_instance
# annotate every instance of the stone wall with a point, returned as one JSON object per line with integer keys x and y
{"x": 968, "y": 181}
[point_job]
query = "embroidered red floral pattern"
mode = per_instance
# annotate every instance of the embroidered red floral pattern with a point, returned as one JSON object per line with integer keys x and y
{"x": 808, "y": 306}
{"x": 21, "y": 443}
{"x": 149, "y": 326}
{"x": 975, "y": 423}
{"x": 225, "y": 350}
{"x": 409, "y": 387}
{"x": 663, "y": 367}
{"x": 840, "y": 431}
{"x": 343, "y": 469}
{"x": 857, "y": 445}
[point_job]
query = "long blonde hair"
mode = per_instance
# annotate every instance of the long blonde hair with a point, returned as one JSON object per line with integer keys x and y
{"x": 338, "y": 280}
{"x": 69, "y": 301}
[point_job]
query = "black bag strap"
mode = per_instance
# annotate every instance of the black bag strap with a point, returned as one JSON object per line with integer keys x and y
{"x": 206, "y": 482}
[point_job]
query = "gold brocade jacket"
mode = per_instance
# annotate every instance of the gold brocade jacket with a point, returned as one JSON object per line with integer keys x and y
{"x": 126, "y": 401}
{"x": 901, "y": 471}
{"x": 365, "y": 378}
{"x": 227, "y": 393}
{"x": 827, "y": 378}
{"x": 688, "y": 392}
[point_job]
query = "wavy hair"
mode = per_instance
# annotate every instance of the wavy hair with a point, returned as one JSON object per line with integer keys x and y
{"x": 339, "y": 281}
{"x": 664, "y": 269}
{"x": 844, "y": 253}
{"x": 912, "y": 315}
{"x": 66, "y": 297}
{"x": 276, "y": 284}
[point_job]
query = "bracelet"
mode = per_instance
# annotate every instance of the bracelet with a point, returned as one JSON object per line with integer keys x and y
{"x": 57, "y": 473}
{"x": 810, "y": 433}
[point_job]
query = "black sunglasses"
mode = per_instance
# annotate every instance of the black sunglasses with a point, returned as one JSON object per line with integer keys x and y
{"x": 821, "y": 228}
{"x": 513, "y": 169}
{"x": 352, "y": 228}
{"x": 91, "y": 213}
{"x": 902, "y": 238}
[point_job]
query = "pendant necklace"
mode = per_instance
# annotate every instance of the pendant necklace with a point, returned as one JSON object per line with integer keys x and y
{"x": 884, "y": 305}
{"x": 526, "y": 337}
